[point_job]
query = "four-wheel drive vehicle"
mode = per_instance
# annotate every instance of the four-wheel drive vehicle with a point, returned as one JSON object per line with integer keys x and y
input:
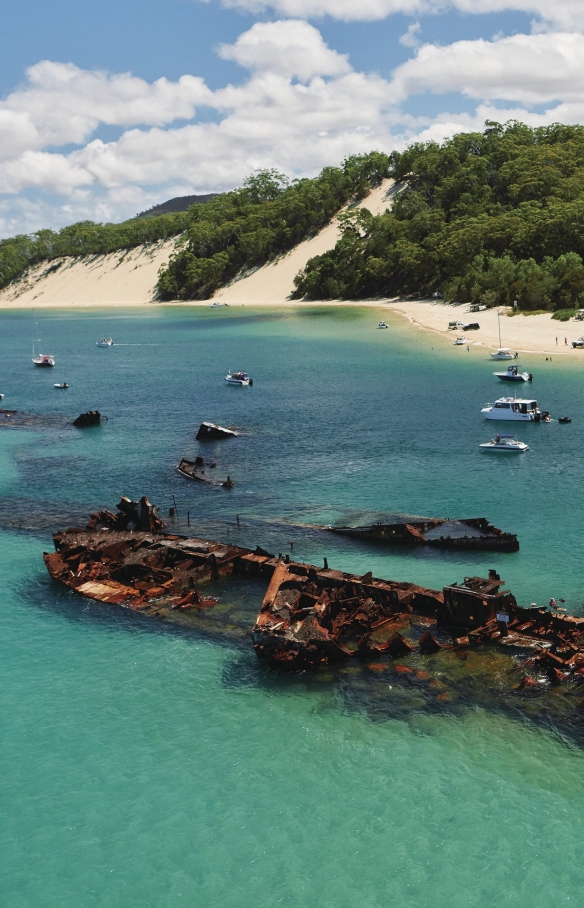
{"x": 474, "y": 326}
{"x": 579, "y": 342}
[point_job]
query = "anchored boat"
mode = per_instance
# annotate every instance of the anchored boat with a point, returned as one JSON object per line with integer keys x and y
{"x": 238, "y": 378}
{"x": 503, "y": 352}
{"x": 509, "y": 444}
{"x": 460, "y": 341}
{"x": 40, "y": 359}
{"x": 512, "y": 374}
{"x": 515, "y": 408}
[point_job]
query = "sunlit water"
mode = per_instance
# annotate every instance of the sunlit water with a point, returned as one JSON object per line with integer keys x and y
{"x": 144, "y": 767}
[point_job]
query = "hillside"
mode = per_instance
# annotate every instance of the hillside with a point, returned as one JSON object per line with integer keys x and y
{"x": 487, "y": 217}
{"x": 179, "y": 203}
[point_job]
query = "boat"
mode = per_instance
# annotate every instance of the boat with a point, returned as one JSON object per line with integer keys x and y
{"x": 562, "y": 419}
{"x": 62, "y": 384}
{"x": 460, "y": 341}
{"x": 105, "y": 342}
{"x": 515, "y": 408}
{"x": 195, "y": 469}
{"x": 383, "y": 325}
{"x": 238, "y": 378}
{"x": 512, "y": 374}
{"x": 219, "y": 305}
{"x": 509, "y": 444}
{"x": 1, "y": 397}
{"x": 503, "y": 352}
{"x": 40, "y": 359}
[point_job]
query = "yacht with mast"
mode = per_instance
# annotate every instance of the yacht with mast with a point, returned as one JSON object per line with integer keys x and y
{"x": 503, "y": 352}
{"x": 40, "y": 359}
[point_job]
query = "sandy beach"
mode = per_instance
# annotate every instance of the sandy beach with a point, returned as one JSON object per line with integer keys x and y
{"x": 128, "y": 278}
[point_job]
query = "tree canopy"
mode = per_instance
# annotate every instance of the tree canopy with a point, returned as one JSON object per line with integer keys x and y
{"x": 487, "y": 217}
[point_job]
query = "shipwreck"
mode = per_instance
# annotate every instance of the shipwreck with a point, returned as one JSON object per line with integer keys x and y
{"x": 473, "y": 534}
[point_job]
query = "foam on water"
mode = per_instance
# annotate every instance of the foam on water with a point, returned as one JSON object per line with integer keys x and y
{"x": 140, "y": 766}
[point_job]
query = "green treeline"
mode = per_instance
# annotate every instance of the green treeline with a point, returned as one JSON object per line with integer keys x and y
{"x": 84, "y": 238}
{"x": 486, "y": 218}
{"x": 266, "y": 217}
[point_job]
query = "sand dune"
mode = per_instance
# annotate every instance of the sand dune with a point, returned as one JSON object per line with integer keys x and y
{"x": 124, "y": 278}
{"x": 274, "y": 282}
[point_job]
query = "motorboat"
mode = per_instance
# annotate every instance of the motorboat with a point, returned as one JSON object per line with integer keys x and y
{"x": 61, "y": 384}
{"x": 514, "y": 408}
{"x": 383, "y": 325}
{"x": 509, "y": 444}
{"x": 512, "y": 374}
{"x": 105, "y": 342}
{"x": 504, "y": 353}
{"x": 238, "y": 378}
{"x": 219, "y": 305}
{"x": 460, "y": 341}
{"x": 1, "y": 397}
{"x": 40, "y": 359}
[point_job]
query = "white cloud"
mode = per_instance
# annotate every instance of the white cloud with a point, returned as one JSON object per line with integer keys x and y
{"x": 62, "y": 104}
{"x": 289, "y": 47}
{"x": 300, "y": 107}
{"x": 410, "y": 38}
{"x": 532, "y": 69}
{"x": 562, "y": 13}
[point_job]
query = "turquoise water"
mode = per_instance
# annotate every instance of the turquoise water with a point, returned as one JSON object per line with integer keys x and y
{"x": 144, "y": 767}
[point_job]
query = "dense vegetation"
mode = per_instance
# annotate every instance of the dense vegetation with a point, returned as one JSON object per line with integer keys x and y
{"x": 266, "y": 217}
{"x": 84, "y": 238}
{"x": 487, "y": 218}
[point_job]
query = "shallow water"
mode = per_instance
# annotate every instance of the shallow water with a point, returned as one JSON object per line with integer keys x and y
{"x": 141, "y": 766}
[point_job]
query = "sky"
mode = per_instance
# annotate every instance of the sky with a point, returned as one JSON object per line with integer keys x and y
{"x": 110, "y": 107}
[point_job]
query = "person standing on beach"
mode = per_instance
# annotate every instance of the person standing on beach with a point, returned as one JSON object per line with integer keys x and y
{"x": 566, "y": 341}
{"x": 556, "y": 341}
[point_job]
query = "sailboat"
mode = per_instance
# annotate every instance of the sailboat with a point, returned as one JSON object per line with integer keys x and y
{"x": 40, "y": 359}
{"x": 503, "y": 352}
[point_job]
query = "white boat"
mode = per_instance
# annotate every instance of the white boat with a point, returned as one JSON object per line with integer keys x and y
{"x": 383, "y": 325}
{"x": 509, "y": 444}
{"x": 105, "y": 342}
{"x": 460, "y": 341}
{"x": 219, "y": 305}
{"x": 238, "y": 378}
{"x": 61, "y": 384}
{"x": 514, "y": 408}
{"x": 40, "y": 359}
{"x": 504, "y": 353}
{"x": 512, "y": 374}
{"x": 1, "y": 397}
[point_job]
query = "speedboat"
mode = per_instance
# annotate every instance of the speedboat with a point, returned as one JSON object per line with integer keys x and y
{"x": 238, "y": 378}
{"x": 512, "y": 374}
{"x": 43, "y": 359}
{"x": 460, "y": 341}
{"x": 61, "y": 384}
{"x": 105, "y": 342}
{"x": 514, "y": 408}
{"x": 1, "y": 397}
{"x": 507, "y": 443}
{"x": 383, "y": 325}
{"x": 504, "y": 353}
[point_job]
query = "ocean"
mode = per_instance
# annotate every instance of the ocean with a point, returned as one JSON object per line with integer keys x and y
{"x": 143, "y": 766}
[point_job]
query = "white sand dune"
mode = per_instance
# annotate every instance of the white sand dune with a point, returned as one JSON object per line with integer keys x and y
{"x": 274, "y": 282}
{"x": 124, "y": 278}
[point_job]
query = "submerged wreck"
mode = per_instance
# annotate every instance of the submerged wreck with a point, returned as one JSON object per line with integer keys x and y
{"x": 474, "y": 534}
{"x": 313, "y": 616}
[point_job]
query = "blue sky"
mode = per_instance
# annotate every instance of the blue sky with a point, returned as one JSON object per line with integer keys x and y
{"x": 107, "y": 108}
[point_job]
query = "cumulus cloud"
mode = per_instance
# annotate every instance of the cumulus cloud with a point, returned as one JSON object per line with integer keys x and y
{"x": 532, "y": 69}
{"x": 562, "y": 13}
{"x": 300, "y": 107}
{"x": 289, "y": 48}
{"x": 61, "y": 103}
{"x": 410, "y": 38}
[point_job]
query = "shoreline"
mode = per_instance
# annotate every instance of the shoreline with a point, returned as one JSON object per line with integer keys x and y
{"x": 523, "y": 333}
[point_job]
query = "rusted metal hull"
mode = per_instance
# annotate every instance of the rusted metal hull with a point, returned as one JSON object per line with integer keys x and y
{"x": 475, "y": 534}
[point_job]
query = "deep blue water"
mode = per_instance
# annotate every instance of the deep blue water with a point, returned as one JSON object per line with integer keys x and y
{"x": 142, "y": 767}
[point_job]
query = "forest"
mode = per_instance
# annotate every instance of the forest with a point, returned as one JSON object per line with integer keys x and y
{"x": 487, "y": 218}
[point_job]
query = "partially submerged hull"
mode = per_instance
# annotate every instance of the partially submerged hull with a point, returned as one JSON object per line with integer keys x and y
{"x": 475, "y": 534}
